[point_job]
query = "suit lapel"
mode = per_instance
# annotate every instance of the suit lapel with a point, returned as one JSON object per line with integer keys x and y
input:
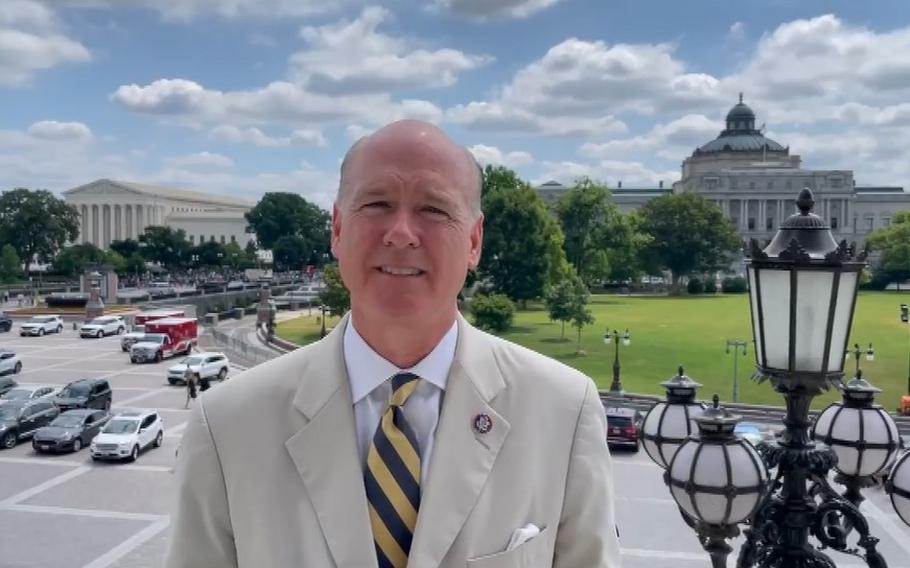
{"x": 325, "y": 453}
{"x": 462, "y": 457}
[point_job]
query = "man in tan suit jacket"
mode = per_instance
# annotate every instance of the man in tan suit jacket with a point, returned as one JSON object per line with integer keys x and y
{"x": 269, "y": 472}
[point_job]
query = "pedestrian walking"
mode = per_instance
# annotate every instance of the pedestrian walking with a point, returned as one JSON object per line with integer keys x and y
{"x": 190, "y": 379}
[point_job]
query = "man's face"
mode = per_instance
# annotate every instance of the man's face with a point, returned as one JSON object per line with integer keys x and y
{"x": 404, "y": 233}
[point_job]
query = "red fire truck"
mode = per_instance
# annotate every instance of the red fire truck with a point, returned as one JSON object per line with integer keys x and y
{"x": 165, "y": 338}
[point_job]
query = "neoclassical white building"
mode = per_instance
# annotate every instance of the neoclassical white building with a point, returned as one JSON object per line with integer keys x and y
{"x": 112, "y": 210}
{"x": 755, "y": 181}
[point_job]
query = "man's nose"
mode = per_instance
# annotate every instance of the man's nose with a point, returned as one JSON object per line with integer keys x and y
{"x": 402, "y": 232}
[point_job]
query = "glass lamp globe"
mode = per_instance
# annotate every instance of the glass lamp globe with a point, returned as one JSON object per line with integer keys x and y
{"x": 715, "y": 477}
{"x": 626, "y": 338}
{"x": 667, "y": 425}
{"x": 899, "y": 487}
{"x": 861, "y": 433}
{"x": 608, "y": 338}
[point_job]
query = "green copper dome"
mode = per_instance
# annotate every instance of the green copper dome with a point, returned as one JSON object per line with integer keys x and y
{"x": 741, "y": 134}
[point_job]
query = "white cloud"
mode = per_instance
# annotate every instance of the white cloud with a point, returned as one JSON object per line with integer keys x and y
{"x": 487, "y": 10}
{"x": 186, "y": 10}
{"x": 356, "y": 131}
{"x": 486, "y": 155}
{"x": 253, "y": 135}
{"x": 737, "y": 31}
{"x": 205, "y": 160}
{"x": 53, "y": 130}
{"x": 31, "y": 41}
{"x": 580, "y": 86}
{"x": 352, "y": 56}
{"x": 262, "y": 40}
{"x": 630, "y": 173}
{"x": 673, "y": 140}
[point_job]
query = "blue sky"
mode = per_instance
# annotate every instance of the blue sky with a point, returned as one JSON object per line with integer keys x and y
{"x": 248, "y": 96}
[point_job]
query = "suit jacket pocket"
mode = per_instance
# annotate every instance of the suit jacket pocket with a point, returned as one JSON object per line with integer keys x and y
{"x": 533, "y": 553}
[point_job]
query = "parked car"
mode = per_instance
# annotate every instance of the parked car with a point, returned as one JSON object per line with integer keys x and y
{"x": 131, "y": 338}
{"x": 85, "y": 393}
{"x": 234, "y": 285}
{"x": 207, "y": 365}
{"x": 127, "y": 434}
{"x": 105, "y": 325}
{"x": 30, "y": 392}
{"x": 6, "y": 323}
{"x": 7, "y": 384}
{"x": 39, "y": 325}
{"x": 70, "y": 431}
{"x": 212, "y": 286}
{"x": 9, "y": 363}
{"x": 623, "y": 425}
{"x": 19, "y": 419}
{"x": 157, "y": 289}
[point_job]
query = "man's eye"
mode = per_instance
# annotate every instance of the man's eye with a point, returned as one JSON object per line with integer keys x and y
{"x": 435, "y": 211}
{"x": 376, "y": 204}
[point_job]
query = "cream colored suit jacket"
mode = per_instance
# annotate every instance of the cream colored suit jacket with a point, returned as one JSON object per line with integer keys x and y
{"x": 268, "y": 473}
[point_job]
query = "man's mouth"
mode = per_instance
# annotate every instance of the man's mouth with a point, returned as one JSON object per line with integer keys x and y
{"x": 399, "y": 271}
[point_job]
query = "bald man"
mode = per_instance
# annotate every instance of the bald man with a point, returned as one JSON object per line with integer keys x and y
{"x": 406, "y": 437}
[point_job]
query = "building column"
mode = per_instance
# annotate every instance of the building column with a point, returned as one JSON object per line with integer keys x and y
{"x": 743, "y": 210}
{"x": 83, "y": 223}
{"x": 762, "y": 206}
{"x": 140, "y": 227}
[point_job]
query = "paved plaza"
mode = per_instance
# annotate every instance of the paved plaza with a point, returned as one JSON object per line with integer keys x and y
{"x": 66, "y": 510}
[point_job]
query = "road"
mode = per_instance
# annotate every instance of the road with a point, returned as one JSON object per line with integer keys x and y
{"x": 68, "y": 511}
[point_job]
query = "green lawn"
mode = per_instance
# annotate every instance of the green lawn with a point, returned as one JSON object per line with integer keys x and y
{"x": 692, "y": 331}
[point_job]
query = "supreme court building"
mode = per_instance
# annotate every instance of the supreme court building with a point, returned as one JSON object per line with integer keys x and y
{"x": 112, "y": 210}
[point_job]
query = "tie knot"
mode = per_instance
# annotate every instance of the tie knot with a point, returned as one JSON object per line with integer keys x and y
{"x": 403, "y": 385}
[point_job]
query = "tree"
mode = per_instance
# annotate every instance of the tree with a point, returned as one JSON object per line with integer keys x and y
{"x": 559, "y": 303}
{"x": 522, "y": 248}
{"x": 280, "y": 214}
{"x": 74, "y": 260}
{"x": 237, "y": 258}
{"x": 335, "y": 295}
{"x": 36, "y": 224}
{"x": 688, "y": 234}
{"x": 10, "y": 265}
{"x": 135, "y": 264}
{"x": 126, "y": 248}
{"x": 164, "y": 245}
{"x": 290, "y": 252}
{"x": 210, "y": 254}
{"x": 580, "y": 314}
{"x": 893, "y": 243}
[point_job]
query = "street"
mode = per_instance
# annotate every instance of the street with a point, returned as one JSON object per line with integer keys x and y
{"x": 69, "y": 511}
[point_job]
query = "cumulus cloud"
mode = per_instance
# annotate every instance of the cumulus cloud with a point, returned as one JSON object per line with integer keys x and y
{"x": 31, "y": 41}
{"x": 207, "y": 160}
{"x": 630, "y": 173}
{"x": 352, "y": 56}
{"x": 737, "y": 31}
{"x": 672, "y": 140}
{"x": 587, "y": 84}
{"x": 253, "y": 135}
{"x": 186, "y": 10}
{"x": 53, "y": 130}
{"x": 499, "y": 9}
{"x": 279, "y": 102}
{"x": 491, "y": 155}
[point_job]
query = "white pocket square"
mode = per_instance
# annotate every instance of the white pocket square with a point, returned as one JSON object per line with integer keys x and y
{"x": 522, "y": 535}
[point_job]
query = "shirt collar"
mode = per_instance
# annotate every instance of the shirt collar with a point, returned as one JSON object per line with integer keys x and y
{"x": 367, "y": 369}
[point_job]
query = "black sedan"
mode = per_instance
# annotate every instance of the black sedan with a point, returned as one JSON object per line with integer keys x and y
{"x": 70, "y": 431}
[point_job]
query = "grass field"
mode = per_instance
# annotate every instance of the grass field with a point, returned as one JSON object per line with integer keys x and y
{"x": 691, "y": 331}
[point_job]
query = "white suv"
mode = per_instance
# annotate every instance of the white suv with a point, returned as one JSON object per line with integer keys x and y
{"x": 9, "y": 363}
{"x": 39, "y": 325}
{"x": 127, "y": 434}
{"x": 206, "y": 365}
{"x": 105, "y": 325}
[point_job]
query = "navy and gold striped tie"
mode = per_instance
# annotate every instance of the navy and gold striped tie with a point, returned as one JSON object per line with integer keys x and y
{"x": 393, "y": 479}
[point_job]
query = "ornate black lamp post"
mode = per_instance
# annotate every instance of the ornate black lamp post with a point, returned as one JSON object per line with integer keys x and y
{"x": 803, "y": 288}
{"x": 614, "y": 337}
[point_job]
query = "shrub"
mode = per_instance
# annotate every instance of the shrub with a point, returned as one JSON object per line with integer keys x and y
{"x": 734, "y": 285}
{"x": 710, "y": 286}
{"x": 493, "y": 312}
{"x": 695, "y": 286}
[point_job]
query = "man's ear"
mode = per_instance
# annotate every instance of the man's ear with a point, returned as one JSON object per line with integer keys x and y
{"x": 336, "y": 229}
{"x": 476, "y": 243}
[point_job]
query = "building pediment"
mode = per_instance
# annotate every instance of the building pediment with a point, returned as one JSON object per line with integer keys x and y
{"x": 104, "y": 187}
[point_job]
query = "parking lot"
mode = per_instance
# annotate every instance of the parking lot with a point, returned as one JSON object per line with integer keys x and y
{"x": 66, "y": 510}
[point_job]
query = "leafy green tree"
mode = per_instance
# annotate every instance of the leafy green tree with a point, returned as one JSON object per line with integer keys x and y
{"x": 580, "y": 314}
{"x": 893, "y": 242}
{"x": 237, "y": 258}
{"x": 135, "y": 264}
{"x": 493, "y": 312}
{"x": 291, "y": 252}
{"x": 688, "y": 234}
{"x": 335, "y": 295}
{"x": 166, "y": 246}
{"x": 522, "y": 249}
{"x": 559, "y": 303}
{"x": 280, "y": 214}
{"x": 10, "y": 265}
{"x": 210, "y": 254}
{"x": 126, "y": 248}
{"x": 36, "y": 223}
{"x": 74, "y": 260}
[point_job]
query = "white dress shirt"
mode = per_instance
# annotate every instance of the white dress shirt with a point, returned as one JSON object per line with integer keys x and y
{"x": 371, "y": 388}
